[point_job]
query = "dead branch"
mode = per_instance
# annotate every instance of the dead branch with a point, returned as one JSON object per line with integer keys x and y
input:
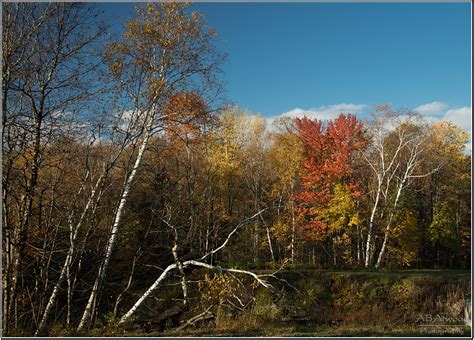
{"x": 206, "y": 315}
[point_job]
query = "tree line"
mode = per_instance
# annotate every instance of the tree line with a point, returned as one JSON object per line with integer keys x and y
{"x": 122, "y": 167}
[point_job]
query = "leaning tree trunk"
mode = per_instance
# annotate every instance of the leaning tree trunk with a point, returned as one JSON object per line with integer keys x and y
{"x": 86, "y": 316}
{"x": 152, "y": 288}
{"x": 390, "y": 221}
{"x": 185, "y": 264}
{"x": 368, "y": 256}
{"x": 68, "y": 261}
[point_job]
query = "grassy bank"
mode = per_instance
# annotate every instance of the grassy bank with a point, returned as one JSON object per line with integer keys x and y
{"x": 308, "y": 302}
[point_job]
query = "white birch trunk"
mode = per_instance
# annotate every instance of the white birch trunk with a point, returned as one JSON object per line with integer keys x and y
{"x": 184, "y": 285}
{"x": 270, "y": 244}
{"x": 68, "y": 260}
{"x": 86, "y": 316}
{"x": 371, "y": 225}
{"x": 293, "y": 231}
{"x": 150, "y": 290}
{"x": 390, "y": 221}
{"x": 173, "y": 266}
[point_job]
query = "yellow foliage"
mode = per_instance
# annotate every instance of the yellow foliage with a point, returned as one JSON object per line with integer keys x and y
{"x": 448, "y": 139}
{"x": 341, "y": 211}
{"x": 228, "y": 145}
{"x": 281, "y": 231}
{"x": 217, "y": 288}
{"x": 404, "y": 239}
{"x": 287, "y": 158}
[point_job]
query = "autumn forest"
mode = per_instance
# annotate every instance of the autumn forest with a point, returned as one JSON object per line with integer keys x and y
{"x": 131, "y": 186}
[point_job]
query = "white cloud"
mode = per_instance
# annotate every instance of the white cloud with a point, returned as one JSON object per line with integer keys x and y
{"x": 460, "y": 116}
{"x": 431, "y": 108}
{"x": 433, "y": 112}
{"x": 463, "y": 118}
{"x": 438, "y": 111}
{"x": 325, "y": 112}
{"x": 391, "y": 123}
{"x": 468, "y": 147}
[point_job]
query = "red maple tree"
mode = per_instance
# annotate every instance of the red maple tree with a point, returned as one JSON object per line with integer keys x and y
{"x": 329, "y": 152}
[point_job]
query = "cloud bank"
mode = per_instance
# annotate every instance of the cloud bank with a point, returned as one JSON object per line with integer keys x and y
{"x": 431, "y": 108}
{"x": 434, "y": 112}
{"x": 461, "y": 116}
{"x": 438, "y": 111}
{"x": 325, "y": 112}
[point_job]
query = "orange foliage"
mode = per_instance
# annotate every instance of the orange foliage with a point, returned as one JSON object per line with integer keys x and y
{"x": 183, "y": 115}
{"x": 328, "y": 160}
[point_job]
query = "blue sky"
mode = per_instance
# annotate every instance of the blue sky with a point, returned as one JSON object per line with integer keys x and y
{"x": 320, "y": 58}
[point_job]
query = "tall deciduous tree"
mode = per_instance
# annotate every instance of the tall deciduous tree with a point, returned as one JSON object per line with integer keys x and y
{"x": 329, "y": 153}
{"x": 166, "y": 50}
{"x": 286, "y": 155}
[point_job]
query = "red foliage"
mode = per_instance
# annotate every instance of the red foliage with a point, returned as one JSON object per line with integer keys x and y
{"x": 329, "y": 152}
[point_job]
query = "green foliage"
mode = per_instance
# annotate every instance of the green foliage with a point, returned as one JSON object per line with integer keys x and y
{"x": 443, "y": 228}
{"x": 265, "y": 307}
{"x": 110, "y": 319}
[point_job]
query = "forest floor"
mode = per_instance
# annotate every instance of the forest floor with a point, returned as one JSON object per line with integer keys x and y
{"x": 342, "y": 303}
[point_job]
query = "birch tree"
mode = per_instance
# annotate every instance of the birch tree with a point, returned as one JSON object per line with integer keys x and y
{"x": 164, "y": 51}
{"x": 396, "y": 152}
{"x": 48, "y": 62}
{"x": 384, "y": 164}
{"x": 413, "y": 155}
{"x": 261, "y": 279}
